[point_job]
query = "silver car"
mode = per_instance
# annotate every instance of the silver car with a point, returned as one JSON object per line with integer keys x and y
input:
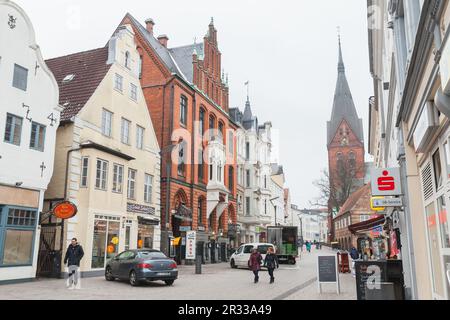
{"x": 137, "y": 266}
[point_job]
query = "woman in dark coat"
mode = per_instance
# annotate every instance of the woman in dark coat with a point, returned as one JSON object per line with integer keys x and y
{"x": 254, "y": 263}
{"x": 271, "y": 262}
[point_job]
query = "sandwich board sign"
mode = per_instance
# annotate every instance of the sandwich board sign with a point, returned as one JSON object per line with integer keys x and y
{"x": 327, "y": 271}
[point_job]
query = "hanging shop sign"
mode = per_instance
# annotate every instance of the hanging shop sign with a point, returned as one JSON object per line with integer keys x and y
{"x": 183, "y": 213}
{"x": 425, "y": 128}
{"x": 65, "y": 210}
{"x": 386, "y": 182}
{"x": 382, "y": 203}
{"x": 139, "y": 208}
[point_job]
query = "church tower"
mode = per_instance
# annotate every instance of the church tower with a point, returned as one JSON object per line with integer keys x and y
{"x": 345, "y": 138}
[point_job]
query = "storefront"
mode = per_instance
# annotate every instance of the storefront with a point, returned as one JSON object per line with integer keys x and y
{"x": 19, "y": 235}
{"x": 435, "y": 179}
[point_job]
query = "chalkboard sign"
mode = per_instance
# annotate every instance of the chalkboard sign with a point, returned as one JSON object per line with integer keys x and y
{"x": 327, "y": 269}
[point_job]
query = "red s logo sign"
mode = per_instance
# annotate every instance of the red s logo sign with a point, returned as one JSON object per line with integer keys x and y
{"x": 386, "y": 183}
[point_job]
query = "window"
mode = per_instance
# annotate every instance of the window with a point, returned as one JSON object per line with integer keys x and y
{"x": 84, "y": 171}
{"x": 13, "y": 130}
{"x": 140, "y": 67}
{"x": 202, "y": 121}
{"x": 231, "y": 178}
{"x": 118, "y": 178}
{"x": 212, "y": 126}
{"x": 118, "y": 85}
{"x": 37, "y": 139}
{"x": 140, "y": 137}
{"x": 437, "y": 169}
{"x": 183, "y": 110}
{"x": 133, "y": 92}
{"x": 102, "y": 174}
{"x": 125, "y": 133}
{"x": 443, "y": 222}
{"x": 247, "y": 174}
{"x": 127, "y": 60}
{"x": 247, "y": 151}
{"x": 221, "y": 125}
{"x": 200, "y": 212}
{"x": 19, "y": 226}
{"x": 181, "y": 159}
{"x": 201, "y": 167}
{"x": 219, "y": 173}
{"x": 230, "y": 143}
{"x": 107, "y": 123}
{"x": 148, "y": 188}
{"x": 265, "y": 182}
{"x": 131, "y": 184}
{"x": 247, "y": 206}
{"x": 20, "y": 78}
{"x": 265, "y": 207}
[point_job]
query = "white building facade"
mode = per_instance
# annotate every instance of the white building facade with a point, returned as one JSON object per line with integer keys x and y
{"x": 29, "y": 118}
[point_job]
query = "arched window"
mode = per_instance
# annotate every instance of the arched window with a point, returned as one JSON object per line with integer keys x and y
{"x": 183, "y": 110}
{"x": 200, "y": 211}
{"x": 182, "y": 158}
{"x": 212, "y": 126}
{"x": 352, "y": 159}
{"x": 201, "y": 166}
{"x": 140, "y": 67}
{"x": 221, "y": 127}
{"x": 127, "y": 60}
{"x": 202, "y": 120}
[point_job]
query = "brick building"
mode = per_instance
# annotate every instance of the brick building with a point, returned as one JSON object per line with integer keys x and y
{"x": 187, "y": 96}
{"x": 345, "y": 141}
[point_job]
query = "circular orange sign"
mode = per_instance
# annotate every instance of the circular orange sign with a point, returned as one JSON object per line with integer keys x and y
{"x": 65, "y": 210}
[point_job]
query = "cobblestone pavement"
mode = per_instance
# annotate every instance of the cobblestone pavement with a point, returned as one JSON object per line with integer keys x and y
{"x": 218, "y": 282}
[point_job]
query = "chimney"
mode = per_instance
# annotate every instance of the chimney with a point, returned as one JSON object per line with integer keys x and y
{"x": 163, "y": 39}
{"x": 150, "y": 24}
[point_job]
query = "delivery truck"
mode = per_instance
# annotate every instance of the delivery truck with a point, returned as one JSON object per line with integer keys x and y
{"x": 285, "y": 240}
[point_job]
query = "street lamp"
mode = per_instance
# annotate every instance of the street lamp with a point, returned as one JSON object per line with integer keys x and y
{"x": 275, "y": 208}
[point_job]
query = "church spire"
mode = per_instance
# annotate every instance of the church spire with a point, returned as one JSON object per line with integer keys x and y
{"x": 343, "y": 105}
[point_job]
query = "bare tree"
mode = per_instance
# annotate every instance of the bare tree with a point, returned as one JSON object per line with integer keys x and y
{"x": 334, "y": 190}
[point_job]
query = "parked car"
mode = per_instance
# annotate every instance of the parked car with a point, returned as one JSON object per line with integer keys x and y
{"x": 137, "y": 266}
{"x": 242, "y": 255}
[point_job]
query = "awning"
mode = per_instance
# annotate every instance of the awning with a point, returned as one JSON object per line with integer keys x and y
{"x": 367, "y": 225}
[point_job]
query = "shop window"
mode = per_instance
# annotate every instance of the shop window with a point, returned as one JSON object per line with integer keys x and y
{"x": 447, "y": 159}
{"x": 443, "y": 222}
{"x": 16, "y": 244}
{"x": 433, "y": 242}
{"x": 105, "y": 242}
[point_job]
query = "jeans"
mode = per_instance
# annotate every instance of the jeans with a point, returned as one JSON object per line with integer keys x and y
{"x": 272, "y": 278}
{"x": 256, "y": 273}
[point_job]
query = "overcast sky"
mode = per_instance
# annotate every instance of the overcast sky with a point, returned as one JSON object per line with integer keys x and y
{"x": 286, "y": 49}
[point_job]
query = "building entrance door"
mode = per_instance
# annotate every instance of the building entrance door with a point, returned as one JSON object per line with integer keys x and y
{"x": 50, "y": 251}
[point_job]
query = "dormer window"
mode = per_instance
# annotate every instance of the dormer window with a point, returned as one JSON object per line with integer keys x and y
{"x": 127, "y": 60}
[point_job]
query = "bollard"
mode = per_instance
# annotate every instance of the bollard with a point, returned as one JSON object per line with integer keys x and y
{"x": 198, "y": 265}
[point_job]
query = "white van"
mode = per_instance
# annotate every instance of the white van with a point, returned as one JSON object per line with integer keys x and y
{"x": 242, "y": 255}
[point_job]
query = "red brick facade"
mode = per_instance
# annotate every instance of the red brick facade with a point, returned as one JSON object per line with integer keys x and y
{"x": 163, "y": 91}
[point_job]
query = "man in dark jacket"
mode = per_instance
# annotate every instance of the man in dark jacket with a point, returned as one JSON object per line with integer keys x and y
{"x": 73, "y": 257}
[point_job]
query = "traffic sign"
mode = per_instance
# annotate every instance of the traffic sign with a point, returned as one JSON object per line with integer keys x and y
{"x": 386, "y": 182}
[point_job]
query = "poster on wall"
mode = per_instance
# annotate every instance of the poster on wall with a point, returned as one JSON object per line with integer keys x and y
{"x": 190, "y": 245}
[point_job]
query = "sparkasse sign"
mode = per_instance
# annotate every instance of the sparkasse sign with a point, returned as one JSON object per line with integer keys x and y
{"x": 386, "y": 182}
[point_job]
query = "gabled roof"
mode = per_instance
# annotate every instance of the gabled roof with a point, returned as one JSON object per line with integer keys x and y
{"x": 88, "y": 68}
{"x": 343, "y": 105}
{"x": 354, "y": 198}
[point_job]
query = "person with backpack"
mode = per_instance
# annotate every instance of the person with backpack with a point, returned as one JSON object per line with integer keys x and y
{"x": 254, "y": 263}
{"x": 271, "y": 262}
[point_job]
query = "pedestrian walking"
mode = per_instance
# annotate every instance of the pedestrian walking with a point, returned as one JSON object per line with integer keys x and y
{"x": 254, "y": 263}
{"x": 271, "y": 262}
{"x": 73, "y": 257}
{"x": 308, "y": 246}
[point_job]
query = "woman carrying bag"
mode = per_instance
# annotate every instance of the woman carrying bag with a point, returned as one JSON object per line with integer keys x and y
{"x": 271, "y": 262}
{"x": 254, "y": 263}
